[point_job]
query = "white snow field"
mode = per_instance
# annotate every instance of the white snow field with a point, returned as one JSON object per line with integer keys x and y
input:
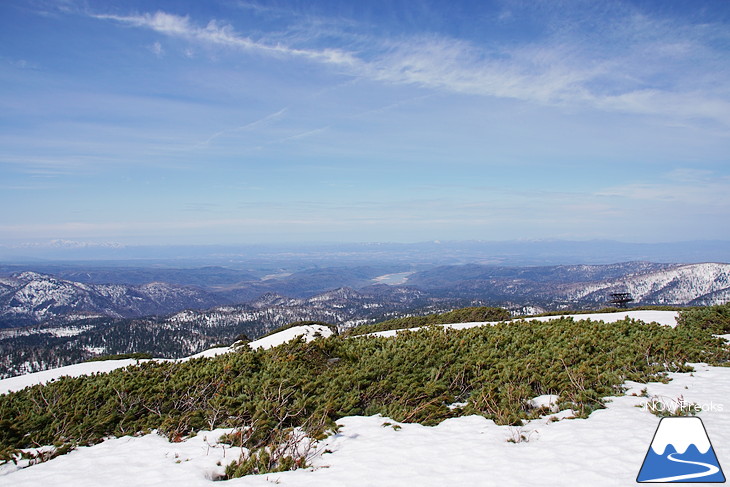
{"x": 607, "y": 449}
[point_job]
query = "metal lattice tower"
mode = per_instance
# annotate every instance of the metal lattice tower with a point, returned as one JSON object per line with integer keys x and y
{"x": 621, "y": 300}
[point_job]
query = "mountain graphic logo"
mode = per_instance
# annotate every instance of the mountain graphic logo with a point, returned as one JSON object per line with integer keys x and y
{"x": 681, "y": 452}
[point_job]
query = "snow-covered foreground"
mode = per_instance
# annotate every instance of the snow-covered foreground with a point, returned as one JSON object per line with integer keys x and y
{"x": 606, "y": 449}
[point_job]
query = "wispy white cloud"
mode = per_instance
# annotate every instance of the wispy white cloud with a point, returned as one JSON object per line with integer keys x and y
{"x": 223, "y": 34}
{"x": 632, "y": 64}
{"x": 24, "y": 187}
{"x": 21, "y": 63}
{"x": 305, "y": 134}
{"x": 458, "y": 66}
{"x": 267, "y": 120}
{"x": 157, "y": 49}
{"x": 559, "y": 73}
{"x": 257, "y": 7}
{"x": 679, "y": 189}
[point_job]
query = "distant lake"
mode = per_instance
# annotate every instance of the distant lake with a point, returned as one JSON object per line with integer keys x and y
{"x": 393, "y": 279}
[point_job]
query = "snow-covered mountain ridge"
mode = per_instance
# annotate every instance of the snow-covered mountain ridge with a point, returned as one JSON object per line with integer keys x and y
{"x": 29, "y": 298}
{"x": 693, "y": 284}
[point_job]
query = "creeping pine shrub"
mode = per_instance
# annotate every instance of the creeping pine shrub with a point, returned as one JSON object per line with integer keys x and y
{"x": 262, "y": 461}
{"x": 293, "y": 394}
{"x": 715, "y": 319}
{"x": 283, "y": 453}
{"x": 10, "y": 454}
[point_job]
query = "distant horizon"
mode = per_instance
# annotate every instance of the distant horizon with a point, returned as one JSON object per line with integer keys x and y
{"x": 79, "y": 244}
{"x": 502, "y": 252}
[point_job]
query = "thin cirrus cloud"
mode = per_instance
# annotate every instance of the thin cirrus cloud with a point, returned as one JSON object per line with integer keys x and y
{"x": 262, "y": 122}
{"x": 710, "y": 192}
{"x": 556, "y": 70}
{"x": 222, "y": 35}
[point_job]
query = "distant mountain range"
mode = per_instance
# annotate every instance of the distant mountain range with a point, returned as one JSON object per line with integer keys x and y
{"x": 582, "y": 286}
{"x": 30, "y": 298}
{"x": 49, "y": 321}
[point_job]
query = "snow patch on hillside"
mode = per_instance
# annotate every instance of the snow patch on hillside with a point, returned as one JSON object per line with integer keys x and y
{"x": 22, "y": 381}
{"x": 666, "y": 318}
{"x": 308, "y": 332}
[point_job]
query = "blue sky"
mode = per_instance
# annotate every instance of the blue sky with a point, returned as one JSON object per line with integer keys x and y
{"x": 226, "y": 122}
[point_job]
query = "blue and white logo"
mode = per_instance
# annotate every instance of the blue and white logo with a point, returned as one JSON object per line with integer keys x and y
{"x": 681, "y": 452}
